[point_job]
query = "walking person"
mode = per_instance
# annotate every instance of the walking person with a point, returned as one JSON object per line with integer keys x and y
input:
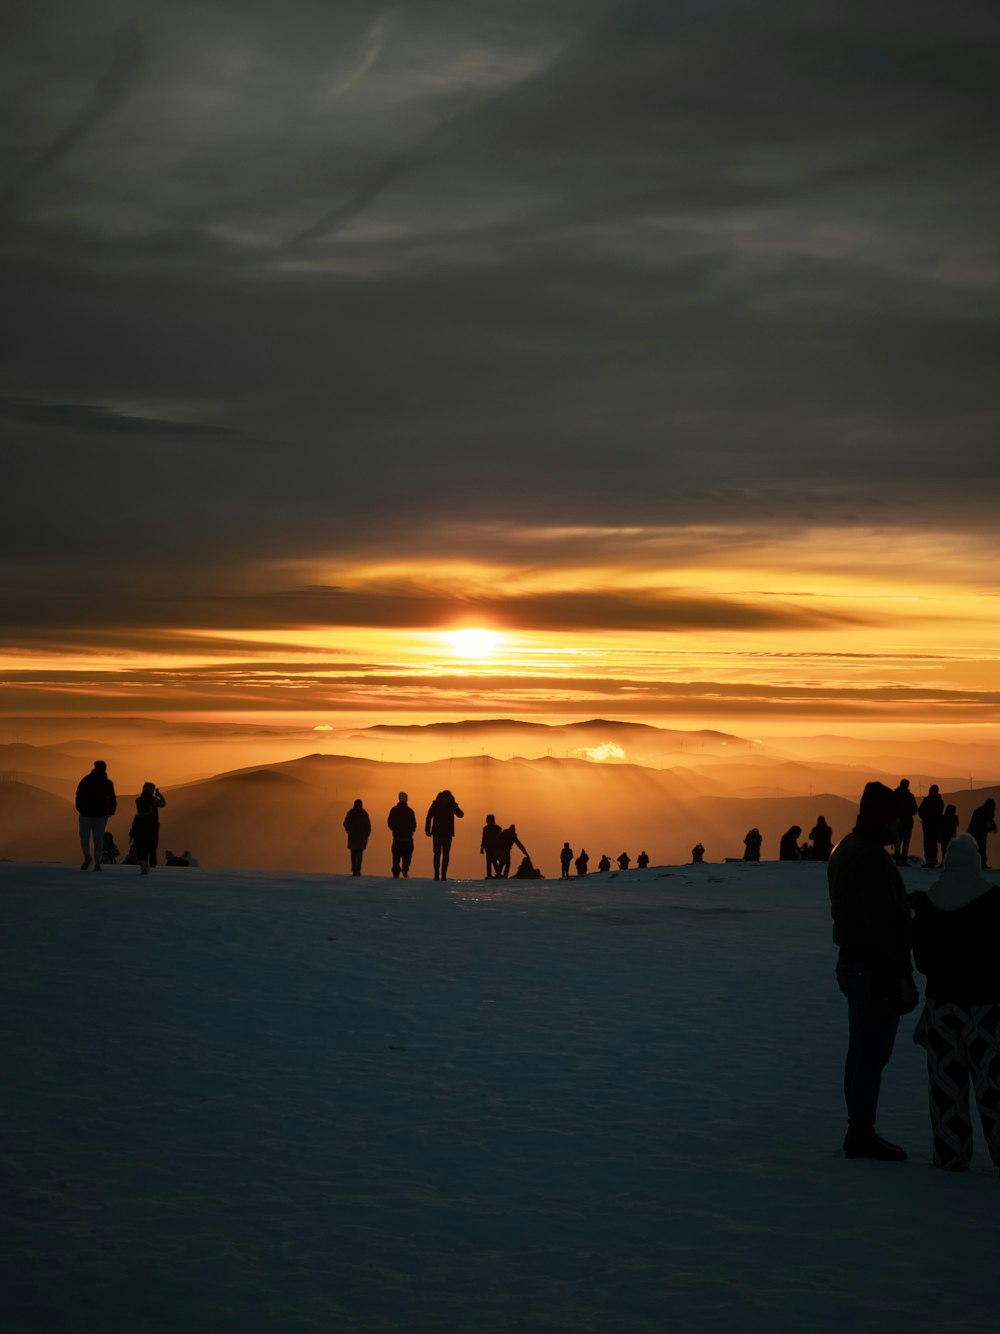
{"x": 359, "y": 828}
{"x": 565, "y": 860}
{"x": 982, "y": 823}
{"x": 488, "y": 846}
{"x": 439, "y": 826}
{"x": 506, "y": 843}
{"x": 95, "y": 804}
{"x": 402, "y": 822}
{"x": 931, "y": 812}
{"x": 956, "y": 945}
{"x": 871, "y": 926}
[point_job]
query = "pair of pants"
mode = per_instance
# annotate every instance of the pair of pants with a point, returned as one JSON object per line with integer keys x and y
{"x": 963, "y": 1043}
{"x": 872, "y": 1023}
{"x": 930, "y": 844}
{"x": 402, "y": 855}
{"x": 441, "y": 844}
{"x": 356, "y": 855}
{"x": 92, "y": 827}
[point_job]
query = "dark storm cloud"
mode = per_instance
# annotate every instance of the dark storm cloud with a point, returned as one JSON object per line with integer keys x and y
{"x": 571, "y": 264}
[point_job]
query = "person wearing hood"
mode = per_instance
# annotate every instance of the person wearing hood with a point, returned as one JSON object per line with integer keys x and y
{"x": 439, "y": 826}
{"x": 871, "y": 927}
{"x": 582, "y": 862}
{"x": 931, "y": 812}
{"x": 752, "y": 845}
{"x": 982, "y": 823}
{"x": 822, "y": 840}
{"x": 642, "y": 861}
{"x": 95, "y": 804}
{"x": 956, "y": 945}
{"x": 402, "y": 822}
{"x": 605, "y": 863}
{"x": 358, "y": 824}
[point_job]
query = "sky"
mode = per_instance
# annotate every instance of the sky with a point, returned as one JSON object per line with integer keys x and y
{"x": 658, "y": 339}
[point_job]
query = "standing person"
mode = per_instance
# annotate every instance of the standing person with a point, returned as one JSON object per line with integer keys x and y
{"x": 907, "y": 811}
{"x": 605, "y": 863}
{"x": 871, "y": 926}
{"x": 565, "y": 859}
{"x": 488, "y": 846}
{"x": 506, "y": 843}
{"x": 95, "y": 804}
{"x": 822, "y": 840}
{"x": 145, "y": 830}
{"x": 582, "y": 862}
{"x": 698, "y": 853}
{"x": 931, "y": 812}
{"x": 956, "y": 944}
{"x": 949, "y": 828}
{"x": 624, "y": 861}
{"x": 788, "y": 848}
{"x": 752, "y": 843}
{"x": 439, "y": 826}
{"x": 403, "y": 823}
{"x": 982, "y": 823}
{"x": 359, "y": 828}
{"x": 642, "y": 861}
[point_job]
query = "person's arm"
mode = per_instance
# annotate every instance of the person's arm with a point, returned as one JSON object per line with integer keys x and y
{"x": 427, "y": 822}
{"x": 112, "y": 799}
{"x": 160, "y": 800}
{"x": 459, "y": 812}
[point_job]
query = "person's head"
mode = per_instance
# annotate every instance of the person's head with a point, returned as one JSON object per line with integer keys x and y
{"x": 904, "y": 783}
{"x": 950, "y": 810}
{"x": 491, "y": 819}
{"x": 357, "y": 804}
{"x": 933, "y": 790}
{"x": 108, "y": 838}
{"x": 878, "y": 813}
{"x": 403, "y": 798}
{"x": 795, "y": 830}
{"x": 100, "y": 767}
{"x": 820, "y": 819}
{"x": 149, "y": 789}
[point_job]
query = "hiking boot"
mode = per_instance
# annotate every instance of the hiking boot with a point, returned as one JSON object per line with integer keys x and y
{"x": 867, "y": 1144}
{"x": 85, "y": 863}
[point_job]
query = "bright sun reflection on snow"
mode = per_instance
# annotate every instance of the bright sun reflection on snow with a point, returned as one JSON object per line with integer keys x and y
{"x": 473, "y": 643}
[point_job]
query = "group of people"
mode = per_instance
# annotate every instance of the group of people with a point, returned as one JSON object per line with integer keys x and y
{"x": 582, "y": 862}
{"x": 789, "y": 849}
{"x": 951, "y": 931}
{"x": 439, "y": 827}
{"x": 97, "y": 802}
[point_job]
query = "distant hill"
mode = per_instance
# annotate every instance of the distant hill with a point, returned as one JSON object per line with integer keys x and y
{"x": 36, "y": 825}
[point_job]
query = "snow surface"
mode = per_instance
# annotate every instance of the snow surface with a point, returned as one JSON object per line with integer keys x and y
{"x": 249, "y": 1102}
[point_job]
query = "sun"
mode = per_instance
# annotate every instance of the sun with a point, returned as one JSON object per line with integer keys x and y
{"x": 473, "y": 642}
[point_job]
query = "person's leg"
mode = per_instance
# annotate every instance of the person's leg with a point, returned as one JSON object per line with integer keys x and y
{"x": 406, "y": 856}
{"x": 84, "y": 822}
{"x": 445, "y": 856}
{"x": 948, "y": 1085}
{"x": 436, "y": 847}
{"x": 984, "y": 1060}
{"x": 355, "y": 861}
{"x": 97, "y": 827}
{"x": 930, "y": 846}
{"x": 397, "y": 848}
{"x": 872, "y": 1025}
{"x": 981, "y": 841}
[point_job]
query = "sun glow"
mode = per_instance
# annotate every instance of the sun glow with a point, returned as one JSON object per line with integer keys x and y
{"x": 473, "y": 642}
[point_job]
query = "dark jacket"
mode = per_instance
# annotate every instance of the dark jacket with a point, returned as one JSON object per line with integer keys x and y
{"x": 981, "y": 821}
{"x": 959, "y": 950}
{"x": 441, "y": 816}
{"x": 871, "y": 915}
{"x": 358, "y": 826}
{"x": 95, "y": 796}
{"x": 145, "y": 828}
{"x": 788, "y": 848}
{"x": 931, "y": 810}
{"x": 491, "y": 835}
{"x": 402, "y": 821}
{"x": 822, "y": 839}
{"x": 907, "y": 804}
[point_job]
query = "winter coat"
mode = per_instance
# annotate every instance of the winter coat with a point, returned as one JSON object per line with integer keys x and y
{"x": 959, "y": 950}
{"x": 402, "y": 821}
{"x": 95, "y": 796}
{"x": 931, "y": 810}
{"x": 871, "y": 915}
{"x": 441, "y": 816}
{"x": 358, "y": 826}
{"x": 981, "y": 822}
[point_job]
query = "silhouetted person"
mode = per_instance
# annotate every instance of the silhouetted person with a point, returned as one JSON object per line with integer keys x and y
{"x": 359, "y": 829}
{"x": 871, "y": 925}
{"x": 527, "y": 871}
{"x": 752, "y": 841}
{"x": 788, "y": 848}
{"x": 172, "y": 859}
{"x": 642, "y": 861}
{"x": 403, "y": 823}
{"x": 907, "y": 812}
{"x": 488, "y": 846}
{"x": 931, "y": 812}
{"x": 110, "y": 854}
{"x": 624, "y": 861}
{"x": 439, "y": 827}
{"x": 605, "y": 863}
{"x": 190, "y": 858}
{"x": 956, "y": 944}
{"x": 565, "y": 860}
{"x": 822, "y": 840}
{"x": 506, "y": 843}
{"x": 949, "y": 828}
{"x": 95, "y": 804}
{"x": 698, "y": 852}
{"x": 582, "y": 862}
{"x": 145, "y": 829}
{"x": 982, "y": 823}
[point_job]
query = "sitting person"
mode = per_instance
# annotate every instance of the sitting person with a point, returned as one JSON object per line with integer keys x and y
{"x": 171, "y": 859}
{"x": 605, "y": 863}
{"x": 527, "y": 872}
{"x": 110, "y": 855}
{"x": 788, "y": 848}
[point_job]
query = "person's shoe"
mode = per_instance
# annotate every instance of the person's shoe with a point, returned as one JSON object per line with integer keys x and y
{"x": 97, "y": 866}
{"x": 869, "y": 1145}
{"x": 85, "y": 863}
{"x": 406, "y": 875}
{"x": 395, "y": 875}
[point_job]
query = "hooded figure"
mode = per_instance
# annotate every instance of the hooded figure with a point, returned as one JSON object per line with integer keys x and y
{"x": 788, "y": 848}
{"x": 359, "y": 828}
{"x": 403, "y": 823}
{"x": 624, "y": 861}
{"x": 871, "y": 926}
{"x": 439, "y": 826}
{"x": 582, "y": 862}
{"x": 931, "y": 811}
{"x": 822, "y": 840}
{"x": 642, "y": 861}
{"x": 751, "y": 844}
{"x": 605, "y": 863}
{"x": 95, "y": 804}
{"x": 956, "y": 945}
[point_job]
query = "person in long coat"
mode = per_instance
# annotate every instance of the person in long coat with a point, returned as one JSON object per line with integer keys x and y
{"x": 359, "y": 828}
{"x": 439, "y": 826}
{"x": 956, "y": 944}
{"x": 822, "y": 840}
